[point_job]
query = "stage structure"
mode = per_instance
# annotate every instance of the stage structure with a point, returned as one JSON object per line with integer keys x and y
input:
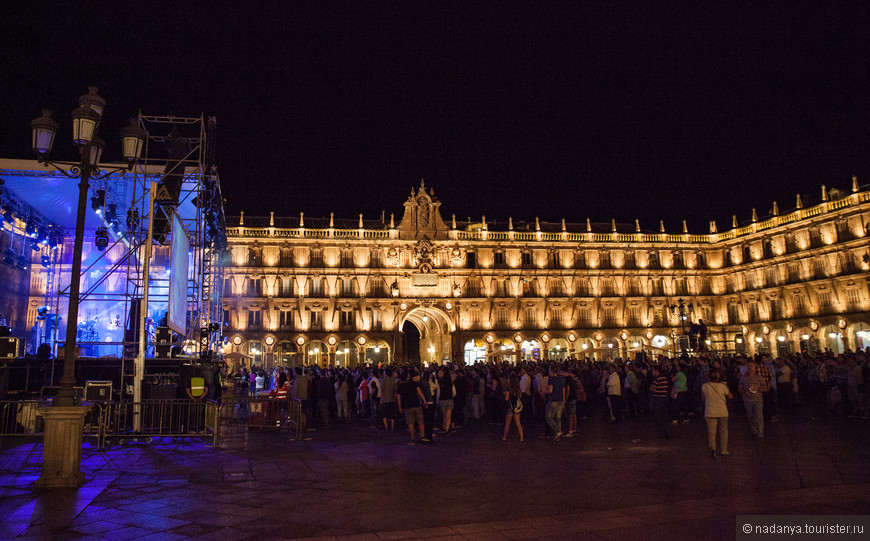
{"x": 127, "y": 239}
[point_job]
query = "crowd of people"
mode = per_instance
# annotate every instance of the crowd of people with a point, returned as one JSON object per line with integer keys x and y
{"x": 425, "y": 401}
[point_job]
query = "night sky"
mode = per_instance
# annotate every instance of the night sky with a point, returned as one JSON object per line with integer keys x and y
{"x": 569, "y": 112}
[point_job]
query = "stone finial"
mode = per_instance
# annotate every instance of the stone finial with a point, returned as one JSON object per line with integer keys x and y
{"x": 483, "y": 220}
{"x": 301, "y": 219}
{"x": 453, "y": 222}
{"x": 637, "y": 225}
{"x": 393, "y": 223}
{"x": 854, "y": 184}
{"x": 685, "y": 229}
{"x": 734, "y": 221}
{"x": 413, "y": 193}
{"x": 613, "y": 225}
{"x": 754, "y": 216}
{"x": 775, "y": 209}
{"x": 799, "y": 204}
{"x": 272, "y": 219}
{"x": 510, "y": 223}
{"x": 331, "y": 220}
{"x": 242, "y": 218}
{"x": 661, "y": 226}
{"x": 360, "y": 221}
{"x": 713, "y": 228}
{"x": 537, "y": 224}
{"x": 824, "y": 193}
{"x": 563, "y": 225}
{"x": 588, "y": 226}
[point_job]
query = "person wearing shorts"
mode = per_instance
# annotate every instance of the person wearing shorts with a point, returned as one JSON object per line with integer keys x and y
{"x": 409, "y": 399}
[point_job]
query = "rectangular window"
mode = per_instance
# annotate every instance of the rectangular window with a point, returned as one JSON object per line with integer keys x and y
{"x": 347, "y": 287}
{"x": 818, "y": 268}
{"x": 377, "y": 259}
{"x": 474, "y": 317}
{"x": 853, "y": 298}
{"x": 347, "y": 258}
{"x": 348, "y": 320}
{"x": 316, "y": 320}
{"x": 376, "y": 319}
{"x": 498, "y": 258}
{"x": 753, "y": 312}
{"x": 553, "y": 260}
{"x": 556, "y": 317}
{"x": 527, "y": 259}
{"x": 658, "y": 315}
{"x": 227, "y": 318}
{"x": 316, "y": 287}
{"x": 775, "y": 311}
{"x": 800, "y": 306}
{"x": 228, "y": 287}
{"x": 286, "y": 258}
{"x": 629, "y": 260}
{"x": 794, "y": 272}
{"x": 582, "y": 287}
{"x": 584, "y": 317}
{"x": 316, "y": 258}
{"x": 824, "y": 300}
{"x": 733, "y": 313}
{"x": 530, "y": 316}
{"x": 501, "y": 316}
{"x": 608, "y": 317}
{"x": 606, "y": 287}
{"x": 634, "y": 316}
{"x": 255, "y": 319}
{"x": 771, "y": 277}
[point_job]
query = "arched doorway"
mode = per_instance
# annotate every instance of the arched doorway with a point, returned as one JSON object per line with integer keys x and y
{"x": 411, "y": 343}
{"x": 377, "y": 353}
{"x": 318, "y": 353}
{"x": 474, "y": 351}
{"x": 346, "y": 354}
{"x": 832, "y": 338}
{"x": 808, "y": 342}
{"x": 435, "y": 329}
{"x": 286, "y": 354}
{"x": 860, "y": 334}
{"x": 558, "y": 349}
{"x": 531, "y": 350}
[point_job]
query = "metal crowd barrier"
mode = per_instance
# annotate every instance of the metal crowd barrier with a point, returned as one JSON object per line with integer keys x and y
{"x": 22, "y": 418}
{"x": 143, "y": 421}
{"x": 121, "y": 422}
{"x": 261, "y": 413}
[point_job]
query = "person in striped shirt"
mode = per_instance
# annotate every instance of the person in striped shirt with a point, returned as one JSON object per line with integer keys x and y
{"x": 658, "y": 400}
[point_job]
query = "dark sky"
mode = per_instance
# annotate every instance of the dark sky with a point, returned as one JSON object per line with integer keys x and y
{"x": 569, "y": 112}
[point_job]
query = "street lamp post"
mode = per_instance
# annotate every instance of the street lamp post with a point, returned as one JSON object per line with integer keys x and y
{"x": 680, "y": 309}
{"x": 62, "y": 450}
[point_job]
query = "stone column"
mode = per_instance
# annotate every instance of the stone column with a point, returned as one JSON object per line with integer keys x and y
{"x": 62, "y": 446}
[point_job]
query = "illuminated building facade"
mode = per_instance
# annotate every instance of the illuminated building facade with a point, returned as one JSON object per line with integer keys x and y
{"x": 301, "y": 291}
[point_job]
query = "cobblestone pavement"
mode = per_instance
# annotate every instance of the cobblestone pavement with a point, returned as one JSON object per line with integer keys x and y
{"x": 355, "y": 482}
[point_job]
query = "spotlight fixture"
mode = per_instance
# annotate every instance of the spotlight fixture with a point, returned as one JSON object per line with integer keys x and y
{"x": 35, "y": 246}
{"x": 22, "y": 262}
{"x": 98, "y": 201}
{"x": 9, "y": 256}
{"x": 101, "y": 238}
{"x": 46, "y": 261}
{"x": 8, "y": 216}
{"x": 31, "y": 228}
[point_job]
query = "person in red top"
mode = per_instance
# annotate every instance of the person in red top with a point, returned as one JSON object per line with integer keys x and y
{"x": 364, "y": 395}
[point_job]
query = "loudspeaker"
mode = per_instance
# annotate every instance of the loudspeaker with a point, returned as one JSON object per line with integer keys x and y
{"x": 163, "y": 343}
{"x": 98, "y": 391}
{"x": 9, "y": 347}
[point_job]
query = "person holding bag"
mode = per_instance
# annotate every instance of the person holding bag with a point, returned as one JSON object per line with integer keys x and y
{"x": 714, "y": 394}
{"x": 514, "y": 407}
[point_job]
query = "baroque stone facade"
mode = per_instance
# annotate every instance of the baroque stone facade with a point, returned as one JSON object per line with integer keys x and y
{"x": 301, "y": 291}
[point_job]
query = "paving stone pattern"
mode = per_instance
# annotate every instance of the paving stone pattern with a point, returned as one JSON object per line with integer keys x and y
{"x": 355, "y": 482}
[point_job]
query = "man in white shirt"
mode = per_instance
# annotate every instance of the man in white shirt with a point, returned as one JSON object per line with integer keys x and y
{"x": 525, "y": 394}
